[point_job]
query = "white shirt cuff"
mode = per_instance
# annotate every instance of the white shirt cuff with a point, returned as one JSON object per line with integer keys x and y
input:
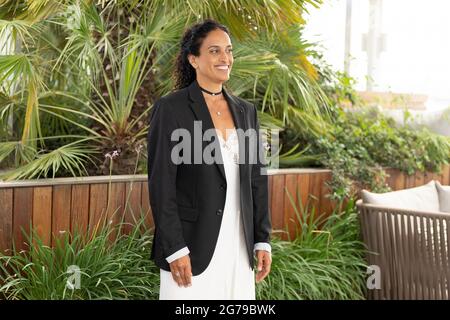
{"x": 262, "y": 246}
{"x": 178, "y": 254}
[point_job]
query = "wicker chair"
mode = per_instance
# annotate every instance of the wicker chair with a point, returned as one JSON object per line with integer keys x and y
{"x": 411, "y": 249}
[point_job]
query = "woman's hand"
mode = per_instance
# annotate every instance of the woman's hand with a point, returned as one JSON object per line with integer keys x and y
{"x": 181, "y": 271}
{"x": 264, "y": 259}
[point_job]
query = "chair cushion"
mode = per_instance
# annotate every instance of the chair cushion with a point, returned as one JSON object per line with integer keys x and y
{"x": 444, "y": 197}
{"x": 423, "y": 198}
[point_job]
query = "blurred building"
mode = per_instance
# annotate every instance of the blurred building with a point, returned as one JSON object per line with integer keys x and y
{"x": 397, "y": 50}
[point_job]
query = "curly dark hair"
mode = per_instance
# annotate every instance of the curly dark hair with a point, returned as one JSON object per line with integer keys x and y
{"x": 184, "y": 73}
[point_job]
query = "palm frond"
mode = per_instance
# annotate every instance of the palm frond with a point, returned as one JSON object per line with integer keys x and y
{"x": 9, "y": 9}
{"x": 21, "y": 151}
{"x": 16, "y": 30}
{"x": 71, "y": 157}
{"x": 247, "y": 18}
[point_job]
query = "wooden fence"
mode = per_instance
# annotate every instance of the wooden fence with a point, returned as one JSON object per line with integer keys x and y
{"x": 55, "y": 206}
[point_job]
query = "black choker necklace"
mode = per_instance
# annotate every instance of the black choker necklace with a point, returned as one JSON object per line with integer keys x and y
{"x": 211, "y": 93}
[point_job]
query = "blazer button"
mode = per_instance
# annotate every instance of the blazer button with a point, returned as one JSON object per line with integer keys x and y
{"x": 222, "y": 186}
{"x": 219, "y": 212}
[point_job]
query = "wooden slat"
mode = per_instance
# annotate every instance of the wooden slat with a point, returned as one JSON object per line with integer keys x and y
{"x": 427, "y": 177}
{"x": 277, "y": 204}
{"x": 303, "y": 195}
{"x": 42, "y": 213}
{"x": 22, "y": 215}
{"x": 315, "y": 191}
{"x": 6, "y": 219}
{"x": 133, "y": 198}
{"x": 303, "y": 188}
{"x": 98, "y": 200}
{"x": 326, "y": 205}
{"x": 398, "y": 180}
{"x": 270, "y": 188}
{"x": 290, "y": 205}
{"x": 437, "y": 176}
{"x": 446, "y": 175}
{"x": 116, "y": 201}
{"x": 390, "y": 177}
{"x": 419, "y": 179}
{"x": 61, "y": 211}
{"x": 270, "y": 191}
{"x": 146, "y": 207}
{"x": 410, "y": 181}
{"x": 79, "y": 209}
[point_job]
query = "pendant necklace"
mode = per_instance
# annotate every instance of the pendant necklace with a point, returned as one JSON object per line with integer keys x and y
{"x": 213, "y": 94}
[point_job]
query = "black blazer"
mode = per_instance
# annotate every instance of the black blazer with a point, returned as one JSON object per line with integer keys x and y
{"x": 188, "y": 200}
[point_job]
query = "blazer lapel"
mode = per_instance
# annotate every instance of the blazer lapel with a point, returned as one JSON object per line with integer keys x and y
{"x": 200, "y": 109}
{"x": 238, "y": 114}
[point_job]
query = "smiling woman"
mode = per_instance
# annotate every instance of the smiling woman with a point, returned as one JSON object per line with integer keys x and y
{"x": 216, "y": 58}
{"x": 213, "y": 66}
{"x": 210, "y": 218}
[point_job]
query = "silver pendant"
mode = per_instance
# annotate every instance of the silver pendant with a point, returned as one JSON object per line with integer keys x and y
{"x": 218, "y": 113}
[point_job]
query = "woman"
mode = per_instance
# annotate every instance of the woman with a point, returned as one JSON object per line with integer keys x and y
{"x": 211, "y": 219}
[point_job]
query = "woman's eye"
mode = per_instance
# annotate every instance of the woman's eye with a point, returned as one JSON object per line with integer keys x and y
{"x": 216, "y": 51}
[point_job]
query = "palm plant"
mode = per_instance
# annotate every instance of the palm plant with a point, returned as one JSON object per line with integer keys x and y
{"x": 100, "y": 106}
{"x": 87, "y": 73}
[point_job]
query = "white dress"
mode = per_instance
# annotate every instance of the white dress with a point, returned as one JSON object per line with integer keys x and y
{"x": 228, "y": 276}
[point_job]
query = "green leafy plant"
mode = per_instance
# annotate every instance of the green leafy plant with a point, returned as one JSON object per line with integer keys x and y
{"x": 363, "y": 142}
{"x": 118, "y": 269}
{"x": 337, "y": 85}
{"x": 324, "y": 261}
{"x": 113, "y": 260}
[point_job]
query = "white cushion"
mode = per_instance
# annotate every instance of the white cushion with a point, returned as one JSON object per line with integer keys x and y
{"x": 423, "y": 198}
{"x": 444, "y": 197}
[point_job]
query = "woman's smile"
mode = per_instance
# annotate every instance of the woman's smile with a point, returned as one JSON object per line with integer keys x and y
{"x": 223, "y": 67}
{"x": 223, "y": 70}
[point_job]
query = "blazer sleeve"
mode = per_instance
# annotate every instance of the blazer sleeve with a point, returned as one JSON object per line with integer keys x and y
{"x": 162, "y": 173}
{"x": 261, "y": 214}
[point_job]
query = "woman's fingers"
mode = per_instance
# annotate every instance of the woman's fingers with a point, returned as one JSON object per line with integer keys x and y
{"x": 188, "y": 275}
{"x": 184, "y": 276}
{"x": 264, "y": 263}
{"x": 262, "y": 274}
{"x": 181, "y": 271}
{"x": 176, "y": 275}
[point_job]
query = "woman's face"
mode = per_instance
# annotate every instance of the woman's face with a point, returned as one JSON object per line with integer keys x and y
{"x": 216, "y": 57}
